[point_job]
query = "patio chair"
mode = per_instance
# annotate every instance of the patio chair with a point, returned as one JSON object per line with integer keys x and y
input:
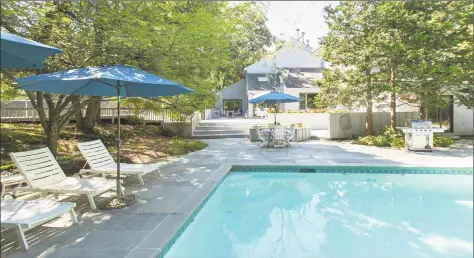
{"x": 279, "y": 136}
{"x": 24, "y": 215}
{"x": 261, "y": 113}
{"x": 264, "y": 138}
{"x": 290, "y": 132}
{"x": 44, "y": 175}
{"x": 102, "y": 163}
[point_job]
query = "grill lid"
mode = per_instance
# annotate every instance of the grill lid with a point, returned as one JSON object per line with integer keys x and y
{"x": 418, "y": 123}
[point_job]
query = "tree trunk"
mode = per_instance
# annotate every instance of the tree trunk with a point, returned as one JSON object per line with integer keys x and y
{"x": 87, "y": 123}
{"x": 98, "y": 119}
{"x": 369, "y": 124}
{"x": 89, "y": 118}
{"x": 52, "y": 137}
{"x": 393, "y": 100}
{"x": 423, "y": 112}
{"x": 78, "y": 116}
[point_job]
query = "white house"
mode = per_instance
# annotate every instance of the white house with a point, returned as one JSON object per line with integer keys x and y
{"x": 302, "y": 68}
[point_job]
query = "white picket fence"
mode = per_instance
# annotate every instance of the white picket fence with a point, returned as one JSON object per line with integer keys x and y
{"x": 14, "y": 114}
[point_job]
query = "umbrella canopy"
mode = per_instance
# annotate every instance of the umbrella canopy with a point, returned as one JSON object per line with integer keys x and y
{"x": 110, "y": 80}
{"x": 103, "y": 81}
{"x": 274, "y": 98}
{"x": 18, "y": 52}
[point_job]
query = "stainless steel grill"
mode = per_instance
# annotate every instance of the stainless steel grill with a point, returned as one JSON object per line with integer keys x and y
{"x": 419, "y": 135}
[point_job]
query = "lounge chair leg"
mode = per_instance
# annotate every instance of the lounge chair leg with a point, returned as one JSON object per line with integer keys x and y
{"x": 140, "y": 179}
{"x": 73, "y": 216}
{"x": 91, "y": 201}
{"x": 21, "y": 236}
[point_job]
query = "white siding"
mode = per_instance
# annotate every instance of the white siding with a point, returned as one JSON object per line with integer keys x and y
{"x": 462, "y": 120}
{"x": 237, "y": 90}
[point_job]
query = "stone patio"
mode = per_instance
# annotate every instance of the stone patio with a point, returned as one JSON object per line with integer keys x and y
{"x": 164, "y": 203}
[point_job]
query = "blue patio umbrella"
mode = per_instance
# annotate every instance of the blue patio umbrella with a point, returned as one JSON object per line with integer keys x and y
{"x": 18, "y": 52}
{"x": 274, "y": 98}
{"x": 110, "y": 80}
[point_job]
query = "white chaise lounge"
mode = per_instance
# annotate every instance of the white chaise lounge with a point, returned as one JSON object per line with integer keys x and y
{"x": 24, "y": 215}
{"x": 101, "y": 162}
{"x": 44, "y": 175}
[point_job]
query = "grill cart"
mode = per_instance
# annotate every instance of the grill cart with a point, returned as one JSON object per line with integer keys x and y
{"x": 419, "y": 135}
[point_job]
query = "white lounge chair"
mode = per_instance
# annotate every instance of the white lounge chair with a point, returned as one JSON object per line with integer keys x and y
{"x": 44, "y": 175}
{"x": 279, "y": 136}
{"x": 24, "y": 215}
{"x": 264, "y": 138}
{"x": 101, "y": 162}
{"x": 290, "y": 132}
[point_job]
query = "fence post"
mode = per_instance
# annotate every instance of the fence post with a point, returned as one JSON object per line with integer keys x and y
{"x": 112, "y": 116}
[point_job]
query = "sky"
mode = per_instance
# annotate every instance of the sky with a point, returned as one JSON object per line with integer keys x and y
{"x": 284, "y": 17}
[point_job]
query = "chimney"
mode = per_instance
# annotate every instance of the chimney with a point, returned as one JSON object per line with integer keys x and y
{"x": 297, "y": 34}
{"x": 307, "y": 42}
{"x": 302, "y": 37}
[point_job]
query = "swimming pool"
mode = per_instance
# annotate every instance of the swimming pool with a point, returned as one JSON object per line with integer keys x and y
{"x": 281, "y": 214}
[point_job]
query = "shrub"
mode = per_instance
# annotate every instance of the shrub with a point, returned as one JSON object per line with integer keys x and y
{"x": 396, "y": 139}
{"x": 442, "y": 141}
{"x": 398, "y": 142}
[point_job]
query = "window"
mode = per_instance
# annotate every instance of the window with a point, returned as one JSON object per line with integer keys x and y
{"x": 310, "y": 101}
{"x": 262, "y": 79}
{"x": 233, "y": 104}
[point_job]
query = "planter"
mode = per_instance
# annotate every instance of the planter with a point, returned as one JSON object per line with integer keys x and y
{"x": 302, "y": 134}
{"x": 253, "y": 135}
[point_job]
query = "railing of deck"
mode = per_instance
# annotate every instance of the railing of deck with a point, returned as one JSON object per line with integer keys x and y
{"x": 13, "y": 114}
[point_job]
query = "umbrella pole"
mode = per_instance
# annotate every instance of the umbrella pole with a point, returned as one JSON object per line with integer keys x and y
{"x": 274, "y": 106}
{"x": 119, "y": 192}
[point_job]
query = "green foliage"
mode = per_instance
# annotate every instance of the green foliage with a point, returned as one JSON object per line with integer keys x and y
{"x": 181, "y": 146}
{"x": 144, "y": 142}
{"x": 398, "y": 143}
{"x": 423, "y": 51}
{"x": 388, "y": 138}
{"x": 396, "y": 139}
{"x": 442, "y": 141}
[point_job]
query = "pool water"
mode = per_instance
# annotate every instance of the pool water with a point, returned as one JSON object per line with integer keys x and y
{"x": 333, "y": 215}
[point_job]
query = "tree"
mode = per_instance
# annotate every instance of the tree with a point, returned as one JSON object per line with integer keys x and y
{"x": 422, "y": 50}
{"x": 204, "y": 45}
{"x": 69, "y": 26}
{"x": 349, "y": 47}
{"x": 440, "y": 53}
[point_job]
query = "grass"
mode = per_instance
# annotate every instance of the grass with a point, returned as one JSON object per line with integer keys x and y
{"x": 141, "y": 144}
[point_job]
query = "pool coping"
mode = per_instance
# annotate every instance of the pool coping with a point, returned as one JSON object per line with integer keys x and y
{"x": 198, "y": 198}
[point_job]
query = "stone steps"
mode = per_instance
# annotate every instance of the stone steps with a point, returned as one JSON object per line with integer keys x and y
{"x": 215, "y": 129}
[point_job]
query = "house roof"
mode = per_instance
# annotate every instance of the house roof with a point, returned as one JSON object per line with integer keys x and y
{"x": 302, "y": 80}
{"x": 262, "y": 66}
{"x": 293, "y": 55}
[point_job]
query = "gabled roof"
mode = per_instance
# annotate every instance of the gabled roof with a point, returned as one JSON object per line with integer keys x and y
{"x": 293, "y": 55}
{"x": 262, "y": 66}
